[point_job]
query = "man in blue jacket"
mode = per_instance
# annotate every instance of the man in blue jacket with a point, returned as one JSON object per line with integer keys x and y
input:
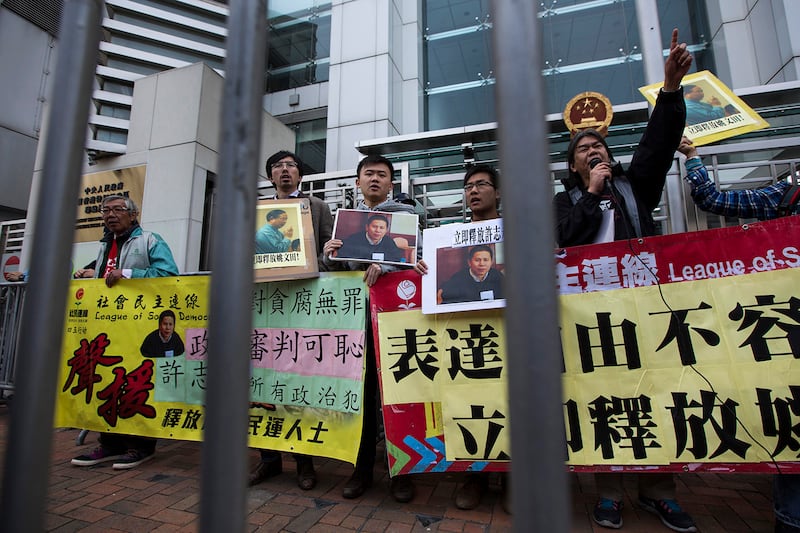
{"x": 764, "y": 203}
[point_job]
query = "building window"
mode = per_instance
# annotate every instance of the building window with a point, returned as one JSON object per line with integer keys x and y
{"x": 299, "y": 44}
{"x": 595, "y": 46}
{"x": 310, "y": 143}
{"x": 586, "y": 46}
{"x": 459, "y": 75}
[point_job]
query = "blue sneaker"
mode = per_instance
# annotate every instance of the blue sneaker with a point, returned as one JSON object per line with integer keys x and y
{"x": 670, "y": 513}
{"x": 608, "y": 513}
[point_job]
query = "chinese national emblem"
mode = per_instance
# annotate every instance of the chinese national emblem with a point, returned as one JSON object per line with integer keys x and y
{"x": 588, "y": 110}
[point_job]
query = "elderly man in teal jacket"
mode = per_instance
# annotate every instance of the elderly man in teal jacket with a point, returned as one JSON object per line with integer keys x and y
{"x": 126, "y": 251}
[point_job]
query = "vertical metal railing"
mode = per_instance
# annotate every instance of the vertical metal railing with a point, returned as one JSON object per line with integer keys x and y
{"x": 30, "y": 431}
{"x": 12, "y": 298}
{"x": 224, "y": 452}
{"x": 538, "y": 479}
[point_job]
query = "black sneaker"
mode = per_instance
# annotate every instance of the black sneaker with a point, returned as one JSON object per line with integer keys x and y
{"x": 670, "y": 513}
{"x": 608, "y": 513}
{"x": 131, "y": 459}
{"x": 98, "y": 455}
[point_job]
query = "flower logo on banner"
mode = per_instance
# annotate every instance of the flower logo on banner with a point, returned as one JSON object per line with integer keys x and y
{"x": 406, "y": 290}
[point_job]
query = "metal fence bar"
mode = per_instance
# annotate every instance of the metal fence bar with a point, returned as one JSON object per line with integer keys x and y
{"x": 30, "y": 434}
{"x": 538, "y": 478}
{"x": 12, "y": 298}
{"x": 224, "y": 451}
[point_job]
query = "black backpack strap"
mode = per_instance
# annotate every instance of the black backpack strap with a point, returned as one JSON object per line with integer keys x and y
{"x": 789, "y": 201}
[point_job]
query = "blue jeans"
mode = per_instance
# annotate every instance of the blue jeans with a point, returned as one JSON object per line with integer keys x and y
{"x": 786, "y": 498}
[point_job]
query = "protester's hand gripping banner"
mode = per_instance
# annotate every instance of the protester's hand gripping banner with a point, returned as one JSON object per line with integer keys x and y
{"x": 679, "y": 353}
{"x": 134, "y": 361}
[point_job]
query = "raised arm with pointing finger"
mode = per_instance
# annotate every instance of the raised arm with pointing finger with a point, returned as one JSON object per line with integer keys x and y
{"x": 600, "y": 193}
{"x": 604, "y": 202}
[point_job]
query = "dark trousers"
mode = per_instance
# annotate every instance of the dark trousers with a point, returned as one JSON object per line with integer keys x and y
{"x": 118, "y": 443}
{"x": 269, "y": 456}
{"x": 369, "y": 428}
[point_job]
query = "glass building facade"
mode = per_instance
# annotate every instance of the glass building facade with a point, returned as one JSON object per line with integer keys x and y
{"x": 299, "y": 44}
{"x": 585, "y": 44}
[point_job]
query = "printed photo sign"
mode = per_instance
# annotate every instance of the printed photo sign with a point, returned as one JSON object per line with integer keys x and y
{"x": 466, "y": 263}
{"x": 713, "y": 112}
{"x": 376, "y": 237}
{"x": 284, "y": 236}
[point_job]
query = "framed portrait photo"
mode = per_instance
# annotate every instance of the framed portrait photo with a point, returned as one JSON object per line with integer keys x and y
{"x": 713, "y": 112}
{"x": 376, "y": 237}
{"x": 466, "y": 264}
{"x": 284, "y": 238}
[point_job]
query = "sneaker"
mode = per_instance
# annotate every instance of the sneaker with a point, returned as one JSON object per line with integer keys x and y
{"x": 98, "y": 455}
{"x": 608, "y": 513}
{"x": 670, "y": 513}
{"x": 131, "y": 459}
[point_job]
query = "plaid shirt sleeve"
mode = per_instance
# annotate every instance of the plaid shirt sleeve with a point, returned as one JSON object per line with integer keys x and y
{"x": 759, "y": 203}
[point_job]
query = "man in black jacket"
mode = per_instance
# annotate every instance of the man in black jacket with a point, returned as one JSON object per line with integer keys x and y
{"x": 475, "y": 282}
{"x": 603, "y": 203}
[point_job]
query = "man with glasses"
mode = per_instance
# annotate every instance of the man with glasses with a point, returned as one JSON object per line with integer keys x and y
{"x": 482, "y": 196}
{"x": 285, "y": 171}
{"x": 482, "y": 193}
{"x": 603, "y": 203}
{"x": 126, "y": 251}
{"x": 478, "y": 280}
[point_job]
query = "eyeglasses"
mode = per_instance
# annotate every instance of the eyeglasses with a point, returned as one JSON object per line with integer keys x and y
{"x": 117, "y": 209}
{"x": 282, "y": 164}
{"x": 477, "y": 185}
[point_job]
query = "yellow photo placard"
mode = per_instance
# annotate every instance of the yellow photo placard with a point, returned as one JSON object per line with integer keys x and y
{"x": 713, "y": 112}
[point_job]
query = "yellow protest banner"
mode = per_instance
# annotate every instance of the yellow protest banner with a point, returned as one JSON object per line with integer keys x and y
{"x": 706, "y": 377}
{"x": 122, "y": 372}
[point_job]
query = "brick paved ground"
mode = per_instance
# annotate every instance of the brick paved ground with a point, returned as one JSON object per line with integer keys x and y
{"x": 163, "y": 495}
